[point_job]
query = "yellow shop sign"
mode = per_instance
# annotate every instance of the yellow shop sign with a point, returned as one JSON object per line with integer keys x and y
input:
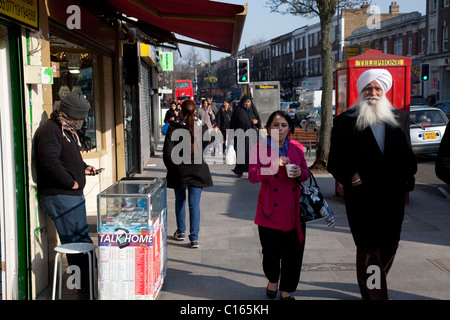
{"x": 24, "y": 12}
{"x": 375, "y": 63}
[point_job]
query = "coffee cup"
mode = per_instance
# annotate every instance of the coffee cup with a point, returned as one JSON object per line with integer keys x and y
{"x": 289, "y": 168}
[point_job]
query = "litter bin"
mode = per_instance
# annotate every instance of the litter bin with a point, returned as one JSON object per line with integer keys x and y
{"x": 132, "y": 239}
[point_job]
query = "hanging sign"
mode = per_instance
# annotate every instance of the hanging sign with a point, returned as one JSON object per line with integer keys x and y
{"x": 25, "y": 12}
{"x": 166, "y": 61}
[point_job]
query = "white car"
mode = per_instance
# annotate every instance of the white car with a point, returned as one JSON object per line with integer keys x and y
{"x": 427, "y": 129}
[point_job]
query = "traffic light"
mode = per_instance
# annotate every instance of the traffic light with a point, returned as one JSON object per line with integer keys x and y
{"x": 425, "y": 72}
{"x": 243, "y": 71}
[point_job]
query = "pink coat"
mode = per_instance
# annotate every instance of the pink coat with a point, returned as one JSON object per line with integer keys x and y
{"x": 279, "y": 196}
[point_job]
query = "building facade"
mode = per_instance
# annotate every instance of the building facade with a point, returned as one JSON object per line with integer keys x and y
{"x": 437, "y": 49}
{"x": 295, "y": 59}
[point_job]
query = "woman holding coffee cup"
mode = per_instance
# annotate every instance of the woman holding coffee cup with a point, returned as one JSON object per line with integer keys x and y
{"x": 281, "y": 233}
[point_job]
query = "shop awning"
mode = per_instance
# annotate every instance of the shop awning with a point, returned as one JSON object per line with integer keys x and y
{"x": 217, "y": 25}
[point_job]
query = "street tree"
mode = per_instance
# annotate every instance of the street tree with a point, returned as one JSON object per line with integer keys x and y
{"x": 325, "y": 10}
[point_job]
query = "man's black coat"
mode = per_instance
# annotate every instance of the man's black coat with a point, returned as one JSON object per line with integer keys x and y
{"x": 375, "y": 209}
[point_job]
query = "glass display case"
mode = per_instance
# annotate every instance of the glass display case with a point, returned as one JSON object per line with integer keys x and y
{"x": 132, "y": 202}
{"x": 132, "y": 239}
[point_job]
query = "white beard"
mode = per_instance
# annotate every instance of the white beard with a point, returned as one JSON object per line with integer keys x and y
{"x": 372, "y": 110}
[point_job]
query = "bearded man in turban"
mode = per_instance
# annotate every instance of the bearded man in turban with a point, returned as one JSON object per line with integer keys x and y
{"x": 371, "y": 156}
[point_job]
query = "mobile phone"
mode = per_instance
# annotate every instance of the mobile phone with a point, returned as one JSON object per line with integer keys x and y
{"x": 99, "y": 170}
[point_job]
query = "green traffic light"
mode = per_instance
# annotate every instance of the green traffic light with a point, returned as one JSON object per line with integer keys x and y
{"x": 244, "y": 78}
{"x": 425, "y": 78}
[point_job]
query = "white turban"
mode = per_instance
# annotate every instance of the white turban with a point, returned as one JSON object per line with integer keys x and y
{"x": 382, "y": 76}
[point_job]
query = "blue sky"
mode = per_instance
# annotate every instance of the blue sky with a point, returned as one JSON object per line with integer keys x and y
{"x": 261, "y": 24}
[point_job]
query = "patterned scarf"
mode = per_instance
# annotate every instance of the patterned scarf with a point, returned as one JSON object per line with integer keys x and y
{"x": 66, "y": 124}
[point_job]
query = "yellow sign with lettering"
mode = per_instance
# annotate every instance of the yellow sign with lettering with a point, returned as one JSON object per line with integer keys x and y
{"x": 377, "y": 63}
{"x": 23, "y": 11}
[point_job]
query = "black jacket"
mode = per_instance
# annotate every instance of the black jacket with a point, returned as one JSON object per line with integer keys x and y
{"x": 223, "y": 118}
{"x": 443, "y": 158}
{"x": 58, "y": 162}
{"x": 187, "y": 173}
{"x": 375, "y": 209}
{"x": 241, "y": 118}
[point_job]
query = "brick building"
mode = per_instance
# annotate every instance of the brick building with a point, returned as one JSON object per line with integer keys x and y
{"x": 294, "y": 58}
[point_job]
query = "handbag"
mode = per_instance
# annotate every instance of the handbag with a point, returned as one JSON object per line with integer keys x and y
{"x": 165, "y": 127}
{"x": 313, "y": 205}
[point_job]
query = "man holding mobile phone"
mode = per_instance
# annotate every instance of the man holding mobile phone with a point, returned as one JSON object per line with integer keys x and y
{"x": 61, "y": 175}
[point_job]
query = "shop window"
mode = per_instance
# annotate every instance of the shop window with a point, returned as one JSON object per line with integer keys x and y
{"x": 77, "y": 74}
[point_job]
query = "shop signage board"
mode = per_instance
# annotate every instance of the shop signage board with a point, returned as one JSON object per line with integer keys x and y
{"x": 24, "y": 12}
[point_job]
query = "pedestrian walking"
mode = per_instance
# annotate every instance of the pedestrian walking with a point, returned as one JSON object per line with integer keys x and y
{"x": 371, "y": 156}
{"x": 173, "y": 114}
{"x": 442, "y": 166}
{"x": 205, "y": 114}
{"x": 212, "y": 105}
{"x": 223, "y": 119}
{"x": 61, "y": 176}
{"x": 187, "y": 173}
{"x": 281, "y": 231}
{"x": 244, "y": 117}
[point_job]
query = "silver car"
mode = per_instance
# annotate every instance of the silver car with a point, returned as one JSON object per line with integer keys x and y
{"x": 426, "y": 129}
{"x": 289, "y": 107}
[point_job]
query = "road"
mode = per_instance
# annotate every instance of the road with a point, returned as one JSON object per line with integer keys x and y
{"x": 426, "y": 179}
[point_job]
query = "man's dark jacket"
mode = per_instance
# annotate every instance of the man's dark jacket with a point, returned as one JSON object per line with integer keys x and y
{"x": 375, "y": 209}
{"x": 442, "y": 167}
{"x": 58, "y": 161}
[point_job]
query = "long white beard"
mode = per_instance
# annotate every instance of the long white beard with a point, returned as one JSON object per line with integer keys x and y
{"x": 374, "y": 109}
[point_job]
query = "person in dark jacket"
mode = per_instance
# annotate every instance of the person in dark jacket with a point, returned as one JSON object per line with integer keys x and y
{"x": 223, "y": 118}
{"x": 186, "y": 168}
{"x": 371, "y": 156}
{"x": 173, "y": 114}
{"x": 61, "y": 175}
{"x": 442, "y": 166}
{"x": 244, "y": 117}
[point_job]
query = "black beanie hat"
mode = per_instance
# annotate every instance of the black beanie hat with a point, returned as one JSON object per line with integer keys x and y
{"x": 75, "y": 106}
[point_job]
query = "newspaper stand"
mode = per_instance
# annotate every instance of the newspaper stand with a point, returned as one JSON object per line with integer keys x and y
{"x": 132, "y": 239}
{"x": 348, "y": 72}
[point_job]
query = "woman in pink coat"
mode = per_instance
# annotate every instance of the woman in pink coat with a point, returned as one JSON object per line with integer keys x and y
{"x": 281, "y": 233}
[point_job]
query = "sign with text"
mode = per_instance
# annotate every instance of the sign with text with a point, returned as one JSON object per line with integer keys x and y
{"x": 25, "y": 12}
{"x": 166, "y": 61}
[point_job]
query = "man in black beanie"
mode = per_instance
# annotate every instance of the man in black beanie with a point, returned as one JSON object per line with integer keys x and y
{"x": 61, "y": 175}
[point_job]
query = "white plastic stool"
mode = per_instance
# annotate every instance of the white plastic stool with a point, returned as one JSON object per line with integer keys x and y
{"x": 73, "y": 248}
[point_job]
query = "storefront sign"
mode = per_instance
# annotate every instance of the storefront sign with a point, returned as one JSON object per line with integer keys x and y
{"x": 352, "y": 51}
{"x": 166, "y": 61}
{"x": 273, "y": 86}
{"x": 375, "y": 63}
{"x": 25, "y": 12}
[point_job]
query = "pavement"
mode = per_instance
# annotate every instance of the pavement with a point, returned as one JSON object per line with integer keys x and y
{"x": 227, "y": 265}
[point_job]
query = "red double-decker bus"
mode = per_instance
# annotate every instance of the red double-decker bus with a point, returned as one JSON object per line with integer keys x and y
{"x": 183, "y": 90}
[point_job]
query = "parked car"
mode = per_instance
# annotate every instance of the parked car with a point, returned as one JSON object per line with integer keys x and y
{"x": 444, "y": 106}
{"x": 418, "y": 101}
{"x": 289, "y": 107}
{"x": 312, "y": 120}
{"x": 426, "y": 129}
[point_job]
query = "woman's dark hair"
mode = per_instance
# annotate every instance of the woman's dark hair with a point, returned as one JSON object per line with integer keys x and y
{"x": 188, "y": 111}
{"x": 284, "y": 115}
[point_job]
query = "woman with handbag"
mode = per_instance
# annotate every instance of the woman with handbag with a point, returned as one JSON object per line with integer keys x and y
{"x": 281, "y": 233}
{"x": 187, "y": 173}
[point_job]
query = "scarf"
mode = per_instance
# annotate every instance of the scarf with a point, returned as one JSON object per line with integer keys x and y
{"x": 282, "y": 150}
{"x": 66, "y": 124}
